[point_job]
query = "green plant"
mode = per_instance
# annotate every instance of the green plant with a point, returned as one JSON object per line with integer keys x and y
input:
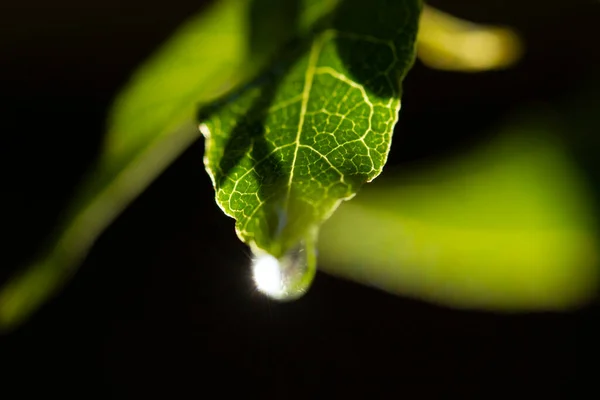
{"x": 361, "y": 52}
{"x": 297, "y": 101}
{"x": 285, "y": 150}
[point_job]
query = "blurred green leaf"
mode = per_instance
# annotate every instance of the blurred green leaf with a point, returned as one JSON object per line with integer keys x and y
{"x": 508, "y": 227}
{"x": 152, "y": 121}
{"x": 449, "y": 43}
{"x": 284, "y": 151}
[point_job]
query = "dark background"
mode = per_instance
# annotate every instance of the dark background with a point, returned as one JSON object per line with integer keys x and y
{"x": 163, "y": 307}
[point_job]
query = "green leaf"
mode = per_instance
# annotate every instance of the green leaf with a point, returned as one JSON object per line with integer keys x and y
{"x": 285, "y": 150}
{"x": 449, "y": 43}
{"x": 151, "y": 123}
{"x": 508, "y": 227}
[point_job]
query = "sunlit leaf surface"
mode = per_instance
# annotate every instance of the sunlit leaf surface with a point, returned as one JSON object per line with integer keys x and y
{"x": 285, "y": 150}
{"x": 508, "y": 227}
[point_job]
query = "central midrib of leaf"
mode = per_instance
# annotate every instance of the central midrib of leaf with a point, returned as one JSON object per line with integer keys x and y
{"x": 308, "y": 80}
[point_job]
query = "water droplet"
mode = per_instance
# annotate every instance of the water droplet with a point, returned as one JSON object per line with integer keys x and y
{"x": 287, "y": 277}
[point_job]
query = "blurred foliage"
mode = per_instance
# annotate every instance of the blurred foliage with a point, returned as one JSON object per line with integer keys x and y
{"x": 507, "y": 227}
{"x": 449, "y": 43}
{"x": 151, "y": 123}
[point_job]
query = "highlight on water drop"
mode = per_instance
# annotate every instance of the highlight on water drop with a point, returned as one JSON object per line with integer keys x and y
{"x": 285, "y": 278}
